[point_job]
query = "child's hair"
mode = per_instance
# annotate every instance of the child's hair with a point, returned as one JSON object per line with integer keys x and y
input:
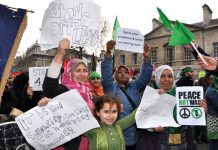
{"x": 101, "y": 100}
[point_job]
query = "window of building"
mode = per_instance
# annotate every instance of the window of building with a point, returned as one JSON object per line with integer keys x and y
{"x": 215, "y": 47}
{"x": 153, "y": 55}
{"x": 187, "y": 54}
{"x": 134, "y": 58}
{"x": 122, "y": 59}
{"x": 170, "y": 54}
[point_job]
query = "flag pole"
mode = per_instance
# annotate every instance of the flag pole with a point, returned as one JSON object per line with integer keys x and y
{"x": 199, "y": 54}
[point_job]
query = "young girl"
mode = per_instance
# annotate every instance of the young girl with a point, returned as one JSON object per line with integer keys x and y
{"x": 110, "y": 134}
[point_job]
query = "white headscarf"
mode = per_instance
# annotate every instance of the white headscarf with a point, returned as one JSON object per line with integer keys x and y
{"x": 159, "y": 71}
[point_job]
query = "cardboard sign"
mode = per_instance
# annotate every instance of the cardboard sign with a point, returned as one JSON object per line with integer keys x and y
{"x": 64, "y": 118}
{"x": 189, "y": 111}
{"x": 36, "y": 77}
{"x": 129, "y": 40}
{"x": 77, "y": 20}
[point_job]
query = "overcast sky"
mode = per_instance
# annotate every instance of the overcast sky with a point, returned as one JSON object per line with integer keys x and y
{"x": 135, "y": 14}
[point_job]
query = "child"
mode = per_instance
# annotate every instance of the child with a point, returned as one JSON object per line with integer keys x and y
{"x": 110, "y": 134}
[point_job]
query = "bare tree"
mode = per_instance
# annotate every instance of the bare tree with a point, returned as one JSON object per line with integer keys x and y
{"x": 105, "y": 29}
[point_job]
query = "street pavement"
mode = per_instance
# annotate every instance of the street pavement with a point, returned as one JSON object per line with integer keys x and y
{"x": 203, "y": 146}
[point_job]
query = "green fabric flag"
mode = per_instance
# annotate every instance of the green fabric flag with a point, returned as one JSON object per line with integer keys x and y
{"x": 164, "y": 20}
{"x": 116, "y": 26}
{"x": 180, "y": 35}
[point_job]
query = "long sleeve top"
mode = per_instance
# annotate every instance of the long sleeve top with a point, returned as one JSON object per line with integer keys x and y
{"x": 134, "y": 90}
{"x": 113, "y": 138}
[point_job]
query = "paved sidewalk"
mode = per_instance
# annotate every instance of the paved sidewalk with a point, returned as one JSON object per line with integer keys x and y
{"x": 202, "y": 146}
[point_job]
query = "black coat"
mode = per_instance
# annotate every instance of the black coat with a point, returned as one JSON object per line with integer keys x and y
{"x": 9, "y": 101}
{"x": 52, "y": 88}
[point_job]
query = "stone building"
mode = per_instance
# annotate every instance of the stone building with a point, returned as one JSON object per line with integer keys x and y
{"x": 206, "y": 33}
{"x": 34, "y": 57}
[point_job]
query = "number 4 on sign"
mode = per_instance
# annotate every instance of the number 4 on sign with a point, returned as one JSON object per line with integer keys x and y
{"x": 38, "y": 82}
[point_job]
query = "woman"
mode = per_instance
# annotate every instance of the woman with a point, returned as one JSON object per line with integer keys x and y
{"x": 169, "y": 138}
{"x": 95, "y": 81}
{"x": 75, "y": 76}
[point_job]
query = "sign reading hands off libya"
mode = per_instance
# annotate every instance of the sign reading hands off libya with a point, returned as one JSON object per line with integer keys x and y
{"x": 62, "y": 119}
{"x": 189, "y": 111}
{"x": 155, "y": 110}
{"x": 78, "y": 20}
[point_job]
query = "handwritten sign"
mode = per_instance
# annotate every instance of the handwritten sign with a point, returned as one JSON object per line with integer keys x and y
{"x": 78, "y": 20}
{"x": 155, "y": 110}
{"x": 189, "y": 111}
{"x": 129, "y": 40}
{"x": 36, "y": 77}
{"x": 64, "y": 118}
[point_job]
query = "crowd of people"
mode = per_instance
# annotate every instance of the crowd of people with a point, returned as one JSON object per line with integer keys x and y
{"x": 113, "y": 97}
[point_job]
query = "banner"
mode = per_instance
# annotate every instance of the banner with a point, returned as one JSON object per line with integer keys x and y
{"x": 65, "y": 117}
{"x": 12, "y": 26}
{"x": 78, "y": 20}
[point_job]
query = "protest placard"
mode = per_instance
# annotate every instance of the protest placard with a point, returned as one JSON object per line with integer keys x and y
{"x": 62, "y": 119}
{"x": 78, "y": 20}
{"x": 155, "y": 110}
{"x": 129, "y": 40}
{"x": 189, "y": 111}
{"x": 36, "y": 77}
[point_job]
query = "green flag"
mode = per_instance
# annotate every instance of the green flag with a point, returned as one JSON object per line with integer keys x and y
{"x": 181, "y": 35}
{"x": 116, "y": 26}
{"x": 163, "y": 19}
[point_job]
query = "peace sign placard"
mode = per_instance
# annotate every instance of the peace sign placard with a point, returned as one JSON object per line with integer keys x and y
{"x": 189, "y": 111}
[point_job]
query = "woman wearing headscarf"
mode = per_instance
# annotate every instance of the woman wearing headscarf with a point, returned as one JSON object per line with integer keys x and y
{"x": 95, "y": 81}
{"x": 75, "y": 76}
{"x": 170, "y": 138}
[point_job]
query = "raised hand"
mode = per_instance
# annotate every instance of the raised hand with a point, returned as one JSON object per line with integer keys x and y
{"x": 110, "y": 45}
{"x": 64, "y": 46}
{"x": 211, "y": 63}
{"x": 147, "y": 51}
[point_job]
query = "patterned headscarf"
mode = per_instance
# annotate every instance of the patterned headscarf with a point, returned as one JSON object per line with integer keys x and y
{"x": 159, "y": 71}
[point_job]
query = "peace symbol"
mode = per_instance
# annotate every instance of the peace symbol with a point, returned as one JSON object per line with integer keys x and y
{"x": 184, "y": 113}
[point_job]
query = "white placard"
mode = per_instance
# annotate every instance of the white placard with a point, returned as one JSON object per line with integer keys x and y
{"x": 36, "y": 77}
{"x": 129, "y": 40}
{"x": 189, "y": 112}
{"x": 155, "y": 110}
{"x": 98, "y": 67}
{"x": 64, "y": 118}
{"x": 78, "y": 20}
